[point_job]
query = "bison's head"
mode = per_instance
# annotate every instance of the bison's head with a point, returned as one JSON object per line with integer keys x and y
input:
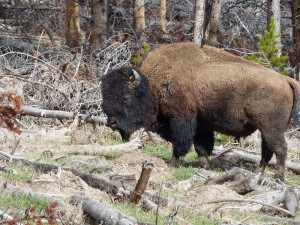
{"x": 127, "y": 100}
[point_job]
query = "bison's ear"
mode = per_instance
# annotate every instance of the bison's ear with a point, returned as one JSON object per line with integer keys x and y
{"x": 135, "y": 80}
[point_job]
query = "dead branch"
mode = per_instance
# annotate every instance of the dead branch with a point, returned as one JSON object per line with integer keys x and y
{"x": 142, "y": 182}
{"x": 237, "y": 180}
{"x": 279, "y": 209}
{"x": 36, "y": 112}
{"x": 122, "y": 177}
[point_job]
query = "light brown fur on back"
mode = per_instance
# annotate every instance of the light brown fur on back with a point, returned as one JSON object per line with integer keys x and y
{"x": 184, "y": 76}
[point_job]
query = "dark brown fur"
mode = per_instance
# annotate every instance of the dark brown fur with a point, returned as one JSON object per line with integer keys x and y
{"x": 193, "y": 91}
{"x": 225, "y": 93}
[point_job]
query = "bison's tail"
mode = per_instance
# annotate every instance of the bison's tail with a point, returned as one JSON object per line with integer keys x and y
{"x": 296, "y": 107}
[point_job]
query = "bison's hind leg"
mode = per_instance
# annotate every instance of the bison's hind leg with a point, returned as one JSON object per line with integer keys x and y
{"x": 272, "y": 143}
{"x": 182, "y": 132}
{"x": 204, "y": 144}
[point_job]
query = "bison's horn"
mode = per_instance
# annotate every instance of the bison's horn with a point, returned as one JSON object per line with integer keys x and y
{"x": 136, "y": 76}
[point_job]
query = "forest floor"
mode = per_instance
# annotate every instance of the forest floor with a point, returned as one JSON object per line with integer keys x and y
{"x": 184, "y": 189}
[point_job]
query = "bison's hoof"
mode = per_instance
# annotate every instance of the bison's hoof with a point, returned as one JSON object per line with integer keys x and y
{"x": 279, "y": 176}
{"x": 203, "y": 162}
{"x": 174, "y": 162}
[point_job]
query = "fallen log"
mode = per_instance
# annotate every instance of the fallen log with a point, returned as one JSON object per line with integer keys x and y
{"x": 98, "y": 182}
{"x": 235, "y": 155}
{"x": 102, "y": 212}
{"x": 132, "y": 145}
{"x": 36, "y": 112}
{"x": 286, "y": 199}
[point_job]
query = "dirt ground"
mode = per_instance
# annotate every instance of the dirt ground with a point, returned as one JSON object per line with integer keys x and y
{"x": 63, "y": 145}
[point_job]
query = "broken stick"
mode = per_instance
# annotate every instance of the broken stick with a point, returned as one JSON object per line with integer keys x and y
{"x": 142, "y": 182}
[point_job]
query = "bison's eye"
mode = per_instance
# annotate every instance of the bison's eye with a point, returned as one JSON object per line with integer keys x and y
{"x": 127, "y": 99}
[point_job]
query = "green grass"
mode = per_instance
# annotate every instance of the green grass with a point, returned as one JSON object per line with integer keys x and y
{"x": 293, "y": 181}
{"x": 21, "y": 202}
{"x": 196, "y": 219}
{"x": 150, "y": 217}
{"x": 110, "y": 155}
{"x": 160, "y": 151}
{"x": 183, "y": 173}
{"x": 24, "y": 173}
{"x": 136, "y": 212}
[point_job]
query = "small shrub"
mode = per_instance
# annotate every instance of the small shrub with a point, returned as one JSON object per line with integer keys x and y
{"x": 142, "y": 54}
{"x": 268, "y": 46}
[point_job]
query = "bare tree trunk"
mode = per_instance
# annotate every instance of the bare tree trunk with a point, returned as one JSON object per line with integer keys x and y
{"x": 99, "y": 25}
{"x": 199, "y": 21}
{"x": 139, "y": 22}
{"x": 72, "y": 24}
{"x": 295, "y": 5}
{"x": 269, "y": 13}
{"x": 276, "y": 14}
{"x": 213, "y": 27}
{"x": 163, "y": 10}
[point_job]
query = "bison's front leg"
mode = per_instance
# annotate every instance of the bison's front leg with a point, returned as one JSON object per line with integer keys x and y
{"x": 182, "y": 132}
{"x": 204, "y": 144}
{"x": 274, "y": 144}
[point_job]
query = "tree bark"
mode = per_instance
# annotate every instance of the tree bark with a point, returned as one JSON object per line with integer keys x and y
{"x": 163, "y": 10}
{"x": 295, "y": 5}
{"x": 199, "y": 21}
{"x": 296, "y": 22}
{"x": 276, "y": 14}
{"x": 72, "y": 24}
{"x": 213, "y": 26}
{"x": 139, "y": 22}
{"x": 99, "y": 24}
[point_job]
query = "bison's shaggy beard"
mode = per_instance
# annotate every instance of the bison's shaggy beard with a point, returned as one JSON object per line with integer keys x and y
{"x": 126, "y": 128}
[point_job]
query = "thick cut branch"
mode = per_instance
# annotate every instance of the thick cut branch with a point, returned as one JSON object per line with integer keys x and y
{"x": 31, "y": 111}
{"x": 142, "y": 182}
{"x": 102, "y": 212}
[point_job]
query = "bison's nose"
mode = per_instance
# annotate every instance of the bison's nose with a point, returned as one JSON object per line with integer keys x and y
{"x": 112, "y": 122}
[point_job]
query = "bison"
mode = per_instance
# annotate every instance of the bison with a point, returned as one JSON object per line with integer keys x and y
{"x": 186, "y": 92}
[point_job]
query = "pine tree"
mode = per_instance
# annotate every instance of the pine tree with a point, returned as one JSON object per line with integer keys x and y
{"x": 268, "y": 46}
